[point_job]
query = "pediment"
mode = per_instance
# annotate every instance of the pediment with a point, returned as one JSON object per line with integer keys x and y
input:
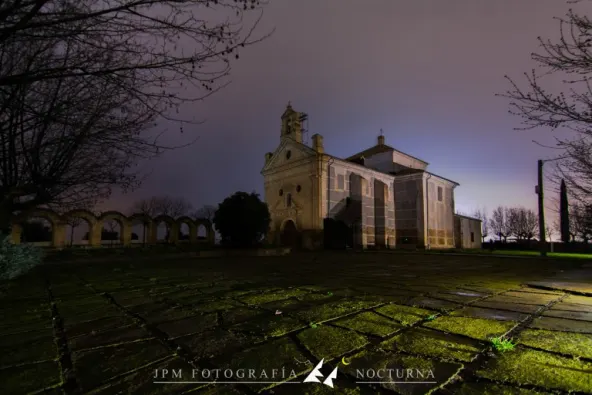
{"x": 289, "y": 151}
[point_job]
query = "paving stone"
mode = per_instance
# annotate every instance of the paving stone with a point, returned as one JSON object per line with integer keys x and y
{"x": 576, "y": 344}
{"x": 365, "y": 366}
{"x": 210, "y": 306}
{"x": 326, "y": 342}
{"x": 277, "y": 354}
{"x": 241, "y": 314}
{"x": 143, "y": 381}
{"x": 460, "y": 297}
{"x": 564, "y": 285}
{"x": 101, "y": 324}
{"x": 370, "y": 323}
{"x": 572, "y": 307}
{"x": 561, "y": 324}
{"x": 434, "y": 344}
{"x": 517, "y": 307}
{"x": 340, "y": 386}
{"x": 500, "y": 315}
{"x": 434, "y": 304}
{"x": 539, "y": 368}
{"x": 475, "y": 328}
{"x": 572, "y": 315}
{"x": 189, "y": 325}
{"x": 28, "y": 347}
{"x": 94, "y": 367}
{"x": 155, "y": 313}
{"x": 108, "y": 337}
{"x": 269, "y": 326}
{"x": 29, "y": 378}
{"x": 215, "y": 342}
{"x": 406, "y": 315}
{"x": 542, "y": 301}
{"x": 535, "y": 298}
{"x": 71, "y": 317}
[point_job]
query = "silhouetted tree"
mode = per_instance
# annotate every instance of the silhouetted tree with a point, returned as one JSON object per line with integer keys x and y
{"x": 564, "y": 213}
{"x": 242, "y": 220}
{"x": 83, "y": 82}
{"x": 581, "y": 224}
{"x": 34, "y": 231}
{"x": 567, "y": 59}
{"x": 498, "y": 223}
{"x": 161, "y": 205}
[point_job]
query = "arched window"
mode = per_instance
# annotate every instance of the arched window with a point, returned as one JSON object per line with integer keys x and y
{"x": 289, "y": 200}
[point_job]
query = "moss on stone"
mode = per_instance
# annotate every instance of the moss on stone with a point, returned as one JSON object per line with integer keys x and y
{"x": 493, "y": 389}
{"x": 406, "y": 315}
{"x": 476, "y": 328}
{"x": 371, "y": 323}
{"x": 328, "y": 342}
{"x": 332, "y": 310}
{"x": 578, "y": 344}
{"x": 539, "y": 368}
{"x": 434, "y": 344}
{"x": 272, "y": 296}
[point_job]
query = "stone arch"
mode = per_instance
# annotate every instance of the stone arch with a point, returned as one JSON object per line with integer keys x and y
{"x": 171, "y": 226}
{"x": 125, "y": 229}
{"x": 206, "y": 224}
{"x": 54, "y": 219}
{"x": 192, "y": 228}
{"x": 147, "y": 227}
{"x": 289, "y": 234}
{"x": 91, "y": 220}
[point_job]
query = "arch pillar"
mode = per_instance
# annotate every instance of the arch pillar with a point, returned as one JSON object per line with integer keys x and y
{"x": 58, "y": 234}
{"x": 95, "y": 233}
{"x": 192, "y": 233}
{"x": 16, "y": 231}
{"x": 174, "y": 232}
{"x": 126, "y": 233}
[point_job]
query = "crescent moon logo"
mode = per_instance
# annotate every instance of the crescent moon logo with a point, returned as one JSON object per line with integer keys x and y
{"x": 343, "y": 361}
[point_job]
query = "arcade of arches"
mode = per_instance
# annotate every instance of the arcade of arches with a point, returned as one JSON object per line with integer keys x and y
{"x": 95, "y": 227}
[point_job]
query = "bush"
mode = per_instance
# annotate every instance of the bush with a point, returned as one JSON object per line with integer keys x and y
{"x": 17, "y": 259}
{"x": 242, "y": 220}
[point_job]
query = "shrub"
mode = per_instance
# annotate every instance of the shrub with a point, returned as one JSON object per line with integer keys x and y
{"x": 17, "y": 259}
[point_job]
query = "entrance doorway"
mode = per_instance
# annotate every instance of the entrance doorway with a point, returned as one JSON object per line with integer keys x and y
{"x": 289, "y": 237}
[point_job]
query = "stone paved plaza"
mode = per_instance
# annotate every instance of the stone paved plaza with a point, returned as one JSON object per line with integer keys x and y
{"x": 386, "y": 320}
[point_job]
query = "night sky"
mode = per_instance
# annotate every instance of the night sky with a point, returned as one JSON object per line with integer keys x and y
{"x": 424, "y": 71}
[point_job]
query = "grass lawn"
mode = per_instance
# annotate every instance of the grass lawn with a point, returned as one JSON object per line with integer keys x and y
{"x": 247, "y": 325}
{"x": 563, "y": 255}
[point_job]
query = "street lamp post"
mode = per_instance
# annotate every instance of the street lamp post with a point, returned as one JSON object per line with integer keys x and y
{"x": 539, "y": 191}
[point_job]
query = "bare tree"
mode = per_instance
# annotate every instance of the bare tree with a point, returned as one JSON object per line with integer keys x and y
{"x": 581, "y": 222}
{"x": 83, "y": 82}
{"x": 569, "y": 59}
{"x": 162, "y": 205}
{"x": 498, "y": 223}
{"x": 482, "y": 215}
{"x": 206, "y": 212}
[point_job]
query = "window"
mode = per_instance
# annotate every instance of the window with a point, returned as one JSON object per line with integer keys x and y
{"x": 298, "y": 188}
{"x": 439, "y": 194}
{"x": 340, "y": 181}
{"x": 281, "y": 192}
{"x": 289, "y": 200}
{"x": 472, "y": 237}
{"x": 288, "y": 154}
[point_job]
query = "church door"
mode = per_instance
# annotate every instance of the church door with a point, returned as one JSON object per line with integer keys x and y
{"x": 289, "y": 234}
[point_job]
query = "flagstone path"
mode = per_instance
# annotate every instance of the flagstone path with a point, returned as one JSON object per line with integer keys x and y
{"x": 389, "y": 323}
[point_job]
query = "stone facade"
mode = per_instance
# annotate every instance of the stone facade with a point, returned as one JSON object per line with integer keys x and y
{"x": 467, "y": 231}
{"x": 381, "y": 196}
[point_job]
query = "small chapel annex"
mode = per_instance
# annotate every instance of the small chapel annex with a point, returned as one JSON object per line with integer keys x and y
{"x": 378, "y": 197}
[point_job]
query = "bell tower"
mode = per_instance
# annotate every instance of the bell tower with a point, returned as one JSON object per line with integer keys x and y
{"x": 292, "y": 124}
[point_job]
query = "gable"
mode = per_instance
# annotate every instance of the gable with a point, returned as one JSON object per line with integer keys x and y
{"x": 287, "y": 153}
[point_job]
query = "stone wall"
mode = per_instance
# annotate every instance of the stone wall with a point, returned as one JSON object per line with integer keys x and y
{"x": 467, "y": 232}
{"x": 440, "y": 204}
{"x": 409, "y": 210}
{"x": 95, "y": 226}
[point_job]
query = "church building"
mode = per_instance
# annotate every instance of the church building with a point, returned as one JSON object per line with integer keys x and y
{"x": 378, "y": 197}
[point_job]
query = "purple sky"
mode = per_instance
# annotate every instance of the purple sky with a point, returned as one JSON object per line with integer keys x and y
{"x": 425, "y": 71}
